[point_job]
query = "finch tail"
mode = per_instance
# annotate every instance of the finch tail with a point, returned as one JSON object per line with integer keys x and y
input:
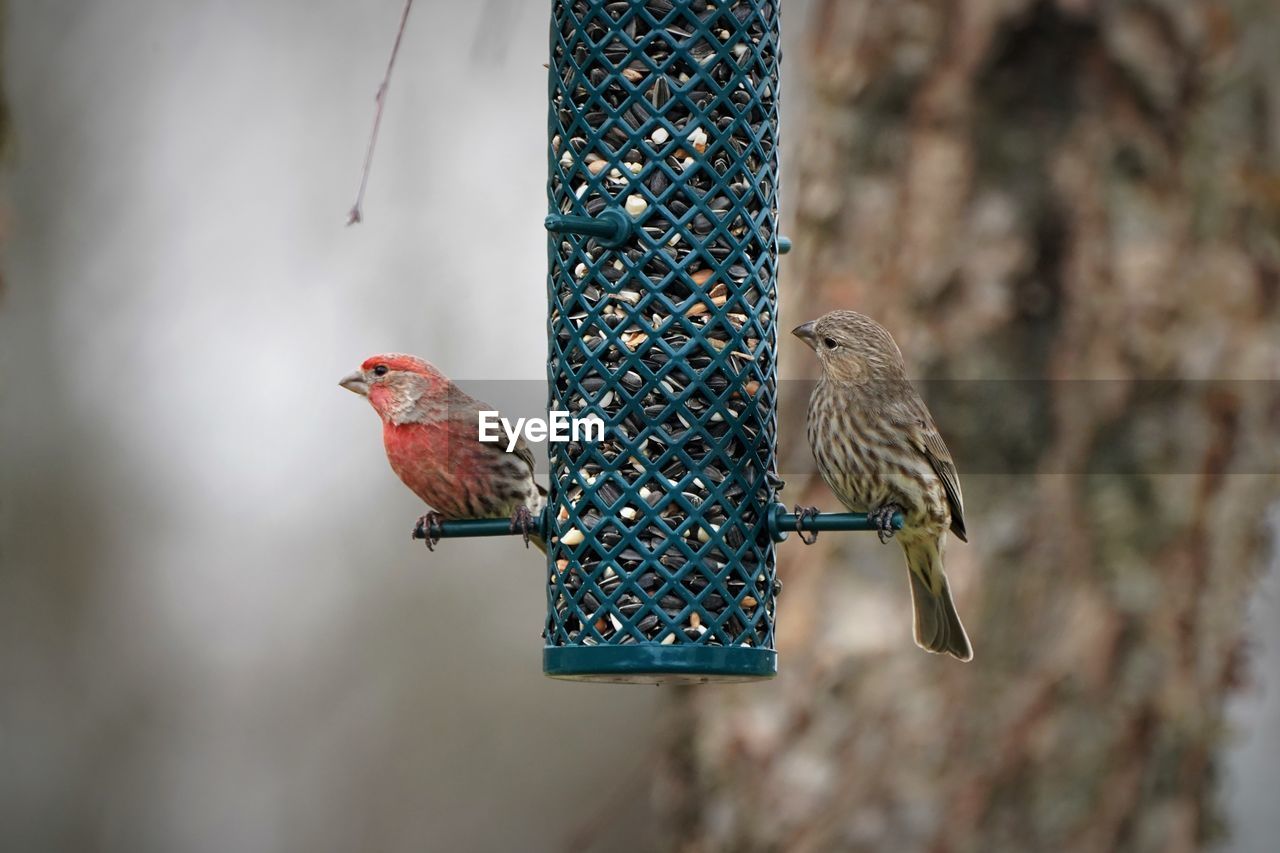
{"x": 937, "y": 625}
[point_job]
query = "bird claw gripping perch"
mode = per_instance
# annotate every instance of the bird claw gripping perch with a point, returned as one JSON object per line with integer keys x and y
{"x": 429, "y": 525}
{"x": 882, "y": 518}
{"x": 803, "y": 514}
{"x": 522, "y": 520}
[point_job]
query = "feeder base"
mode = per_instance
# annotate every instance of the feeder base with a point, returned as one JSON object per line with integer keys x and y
{"x": 655, "y": 664}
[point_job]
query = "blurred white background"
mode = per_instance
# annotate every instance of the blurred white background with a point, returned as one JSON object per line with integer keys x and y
{"x": 216, "y": 634}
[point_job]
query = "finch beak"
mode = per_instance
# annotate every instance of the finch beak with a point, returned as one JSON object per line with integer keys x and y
{"x": 355, "y": 384}
{"x": 807, "y": 333}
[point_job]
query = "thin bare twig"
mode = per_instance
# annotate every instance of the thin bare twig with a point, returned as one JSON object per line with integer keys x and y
{"x": 355, "y": 214}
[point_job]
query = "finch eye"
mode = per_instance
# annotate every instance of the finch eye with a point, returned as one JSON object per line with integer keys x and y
{"x": 380, "y": 370}
{"x": 830, "y": 343}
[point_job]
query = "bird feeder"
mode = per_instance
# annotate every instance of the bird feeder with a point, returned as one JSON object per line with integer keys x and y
{"x": 662, "y": 321}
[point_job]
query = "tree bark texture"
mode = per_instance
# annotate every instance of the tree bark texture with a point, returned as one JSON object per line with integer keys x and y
{"x": 1068, "y": 213}
{"x": 6, "y": 127}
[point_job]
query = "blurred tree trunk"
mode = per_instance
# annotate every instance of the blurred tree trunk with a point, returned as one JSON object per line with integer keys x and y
{"x": 1043, "y": 190}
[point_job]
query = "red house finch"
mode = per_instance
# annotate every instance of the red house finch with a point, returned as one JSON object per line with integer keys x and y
{"x": 431, "y": 433}
{"x": 879, "y": 451}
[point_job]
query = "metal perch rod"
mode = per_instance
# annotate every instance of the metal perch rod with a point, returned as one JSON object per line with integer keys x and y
{"x": 781, "y": 524}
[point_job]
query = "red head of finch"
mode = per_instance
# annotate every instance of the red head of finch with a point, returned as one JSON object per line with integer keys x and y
{"x": 878, "y": 449}
{"x": 431, "y": 434}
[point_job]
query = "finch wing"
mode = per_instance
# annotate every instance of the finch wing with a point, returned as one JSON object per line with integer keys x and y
{"x": 464, "y": 407}
{"x": 925, "y": 436}
{"x": 469, "y": 407}
{"x": 526, "y": 455}
{"x": 935, "y": 450}
{"x": 522, "y": 450}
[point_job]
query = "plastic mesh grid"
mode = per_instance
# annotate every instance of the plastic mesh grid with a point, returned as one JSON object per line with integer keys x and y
{"x": 666, "y": 110}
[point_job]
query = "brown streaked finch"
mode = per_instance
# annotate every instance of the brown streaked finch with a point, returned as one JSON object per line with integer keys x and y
{"x": 878, "y": 449}
{"x": 430, "y": 429}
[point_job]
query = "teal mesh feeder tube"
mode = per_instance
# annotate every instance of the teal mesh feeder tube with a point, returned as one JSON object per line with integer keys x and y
{"x": 662, "y": 322}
